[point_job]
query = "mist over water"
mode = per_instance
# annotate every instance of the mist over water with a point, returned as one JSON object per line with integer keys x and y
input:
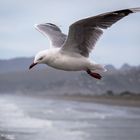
{"x": 24, "y": 118}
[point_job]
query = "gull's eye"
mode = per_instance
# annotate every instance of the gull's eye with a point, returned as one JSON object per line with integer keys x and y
{"x": 40, "y": 58}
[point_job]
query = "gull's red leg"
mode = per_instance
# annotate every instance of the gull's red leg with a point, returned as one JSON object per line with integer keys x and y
{"x": 94, "y": 74}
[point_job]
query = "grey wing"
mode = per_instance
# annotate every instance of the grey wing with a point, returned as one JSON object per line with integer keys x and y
{"x": 53, "y": 32}
{"x": 84, "y": 33}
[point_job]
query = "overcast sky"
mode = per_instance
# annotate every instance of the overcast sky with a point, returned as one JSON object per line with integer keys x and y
{"x": 18, "y": 38}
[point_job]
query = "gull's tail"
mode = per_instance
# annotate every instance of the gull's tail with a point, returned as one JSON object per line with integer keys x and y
{"x": 98, "y": 68}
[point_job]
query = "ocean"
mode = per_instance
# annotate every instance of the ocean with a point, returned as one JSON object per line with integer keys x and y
{"x": 25, "y": 117}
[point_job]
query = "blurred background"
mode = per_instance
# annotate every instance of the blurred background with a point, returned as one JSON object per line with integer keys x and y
{"x": 45, "y": 103}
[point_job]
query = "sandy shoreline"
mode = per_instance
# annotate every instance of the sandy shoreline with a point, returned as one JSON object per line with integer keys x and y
{"x": 131, "y": 101}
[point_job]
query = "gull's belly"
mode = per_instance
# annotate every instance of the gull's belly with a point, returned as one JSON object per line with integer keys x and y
{"x": 70, "y": 63}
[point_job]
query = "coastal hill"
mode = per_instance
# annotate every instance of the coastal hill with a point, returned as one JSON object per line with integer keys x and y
{"x": 15, "y": 77}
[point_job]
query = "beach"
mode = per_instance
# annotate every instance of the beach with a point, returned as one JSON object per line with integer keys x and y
{"x": 131, "y": 100}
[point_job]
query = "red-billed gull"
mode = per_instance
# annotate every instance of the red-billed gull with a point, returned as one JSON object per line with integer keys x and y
{"x": 70, "y": 53}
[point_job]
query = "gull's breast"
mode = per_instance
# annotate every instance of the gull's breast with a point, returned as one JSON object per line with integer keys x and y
{"x": 69, "y": 63}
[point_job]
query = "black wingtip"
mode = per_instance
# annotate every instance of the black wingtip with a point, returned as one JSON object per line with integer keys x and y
{"x": 125, "y": 12}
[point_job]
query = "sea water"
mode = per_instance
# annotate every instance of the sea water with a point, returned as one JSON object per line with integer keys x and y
{"x": 32, "y": 118}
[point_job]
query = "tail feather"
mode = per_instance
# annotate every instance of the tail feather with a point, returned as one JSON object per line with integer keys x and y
{"x": 98, "y": 68}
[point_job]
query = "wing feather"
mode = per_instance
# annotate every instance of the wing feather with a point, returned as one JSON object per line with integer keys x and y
{"x": 84, "y": 33}
{"x": 53, "y": 32}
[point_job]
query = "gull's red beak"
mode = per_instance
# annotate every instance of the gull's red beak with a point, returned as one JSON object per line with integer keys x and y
{"x": 32, "y": 65}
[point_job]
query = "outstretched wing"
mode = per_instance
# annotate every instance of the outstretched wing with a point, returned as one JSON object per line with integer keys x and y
{"x": 84, "y": 33}
{"x": 53, "y": 32}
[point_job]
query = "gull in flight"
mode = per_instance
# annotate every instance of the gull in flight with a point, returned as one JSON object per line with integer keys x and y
{"x": 70, "y": 52}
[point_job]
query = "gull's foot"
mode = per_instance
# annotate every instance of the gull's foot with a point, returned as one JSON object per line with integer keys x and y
{"x": 93, "y": 74}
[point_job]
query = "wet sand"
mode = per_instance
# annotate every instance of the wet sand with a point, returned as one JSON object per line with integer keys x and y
{"x": 131, "y": 101}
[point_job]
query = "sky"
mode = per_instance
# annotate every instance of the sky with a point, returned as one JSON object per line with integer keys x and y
{"x": 119, "y": 44}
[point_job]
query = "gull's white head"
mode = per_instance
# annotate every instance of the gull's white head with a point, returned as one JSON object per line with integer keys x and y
{"x": 40, "y": 58}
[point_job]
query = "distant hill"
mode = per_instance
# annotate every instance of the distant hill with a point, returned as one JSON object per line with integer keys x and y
{"x": 13, "y": 65}
{"x": 16, "y": 78}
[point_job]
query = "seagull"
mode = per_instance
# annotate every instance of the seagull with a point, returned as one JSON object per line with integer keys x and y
{"x": 71, "y": 52}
